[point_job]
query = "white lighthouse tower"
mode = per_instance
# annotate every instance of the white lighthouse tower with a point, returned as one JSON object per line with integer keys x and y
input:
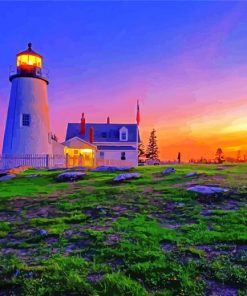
{"x": 27, "y": 128}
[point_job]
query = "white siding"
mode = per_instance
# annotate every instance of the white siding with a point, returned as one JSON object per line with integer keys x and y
{"x": 28, "y": 96}
{"x": 57, "y": 148}
{"x": 131, "y": 155}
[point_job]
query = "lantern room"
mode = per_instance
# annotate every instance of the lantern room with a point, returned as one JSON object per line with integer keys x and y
{"x": 29, "y": 64}
{"x": 28, "y": 60}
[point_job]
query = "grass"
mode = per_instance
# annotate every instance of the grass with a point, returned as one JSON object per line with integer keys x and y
{"x": 148, "y": 236}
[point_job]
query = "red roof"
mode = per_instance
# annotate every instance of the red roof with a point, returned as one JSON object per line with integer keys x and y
{"x": 29, "y": 51}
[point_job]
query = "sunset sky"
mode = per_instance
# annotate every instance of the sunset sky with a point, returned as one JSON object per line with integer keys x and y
{"x": 186, "y": 62}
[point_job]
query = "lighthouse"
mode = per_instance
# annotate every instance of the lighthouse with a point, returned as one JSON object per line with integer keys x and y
{"x": 27, "y": 128}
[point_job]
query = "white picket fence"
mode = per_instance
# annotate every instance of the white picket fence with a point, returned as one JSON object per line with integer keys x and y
{"x": 55, "y": 161}
{"x": 113, "y": 162}
{"x": 32, "y": 160}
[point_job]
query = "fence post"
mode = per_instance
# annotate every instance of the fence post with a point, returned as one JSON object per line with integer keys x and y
{"x": 47, "y": 161}
{"x": 67, "y": 160}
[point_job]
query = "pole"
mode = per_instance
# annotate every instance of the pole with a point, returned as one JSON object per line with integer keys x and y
{"x": 47, "y": 161}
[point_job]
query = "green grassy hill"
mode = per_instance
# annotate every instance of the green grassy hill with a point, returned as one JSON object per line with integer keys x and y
{"x": 149, "y": 236}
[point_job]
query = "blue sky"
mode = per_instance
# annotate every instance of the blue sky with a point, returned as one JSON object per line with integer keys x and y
{"x": 103, "y": 56}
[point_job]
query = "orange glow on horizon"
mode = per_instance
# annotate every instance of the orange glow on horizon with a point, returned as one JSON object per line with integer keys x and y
{"x": 192, "y": 130}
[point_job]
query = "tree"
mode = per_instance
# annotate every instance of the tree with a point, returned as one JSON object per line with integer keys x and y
{"x": 141, "y": 151}
{"x": 179, "y": 157}
{"x": 202, "y": 160}
{"x": 219, "y": 156}
{"x": 152, "y": 149}
{"x": 238, "y": 155}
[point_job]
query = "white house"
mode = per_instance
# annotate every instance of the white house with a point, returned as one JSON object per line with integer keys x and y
{"x": 103, "y": 143}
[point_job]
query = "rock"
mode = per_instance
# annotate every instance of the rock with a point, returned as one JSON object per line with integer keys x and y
{"x": 3, "y": 173}
{"x": 29, "y": 275}
{"x": 101, "y": 210}
{"x": 57, "y": 169}
{"x": 94, "y": 277}
{"x": 80, "y": 168}
{"x": 204, "y": 189}
{"x": 192, "y": 174}
{"x": 17, "y": 273}
{"x": 166, "y": 246}
{"x": 19, "y": 169}
{"x": 70, "y": 176}
{"x": 14, "y": 171}
{"x": 168, "y": 171}
{"x": 42, "y": 232}
{"x": 7, "y": 177}
{"x": 33, "y": 176}
{"x": 206, "y": 212}
{"x": 218, "y": 289}
{"x": 123, "y": 177}
{"x": 112, "y": 239}
{"x": 119, "y": 209}
{"x": 77, "y": 245}
{"x": 40, "y": 212}
{"x": 220, "y": 168}
{"x": 111, "y": 169}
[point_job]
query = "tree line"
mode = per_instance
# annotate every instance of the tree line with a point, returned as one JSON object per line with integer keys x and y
{"x": 152, "y": 153}
{"x": 220, "y": 158}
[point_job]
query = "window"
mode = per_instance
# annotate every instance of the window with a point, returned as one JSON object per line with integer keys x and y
{"x": 123, "y": 134}
{"x": 104, "y": 135}
{"x": 123, "y": 156}
{"x": 29, "y": 60}
{"x": 102, "y": 154}
{"x": 26, "y": 119}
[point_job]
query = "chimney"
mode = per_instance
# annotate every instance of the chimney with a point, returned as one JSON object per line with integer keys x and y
{"x": 83, "y": 124}
{"x": 108, "y": 120}
{"x": 91, "y": 135}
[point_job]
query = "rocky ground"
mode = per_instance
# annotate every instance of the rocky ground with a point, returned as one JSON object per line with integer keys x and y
{"x": 158, "y": 232}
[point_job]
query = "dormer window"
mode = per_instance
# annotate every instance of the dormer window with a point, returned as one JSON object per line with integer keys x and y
{"x": 123, "y": 135}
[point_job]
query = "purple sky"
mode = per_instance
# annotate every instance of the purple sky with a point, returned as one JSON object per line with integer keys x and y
{"x": 185, "y": 62}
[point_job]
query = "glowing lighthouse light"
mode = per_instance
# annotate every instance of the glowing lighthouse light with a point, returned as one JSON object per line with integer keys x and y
{"x": 29, "y": 57}
{"x": 29, "y": 61}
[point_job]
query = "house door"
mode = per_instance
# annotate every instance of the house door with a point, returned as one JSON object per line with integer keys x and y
{"x": 80, "y": 157}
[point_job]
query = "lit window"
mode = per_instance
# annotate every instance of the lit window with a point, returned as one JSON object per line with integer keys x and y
{"x": 26, "y": 119}
{"x": 102, "y": 154}
{"x": 123, "y": 156}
